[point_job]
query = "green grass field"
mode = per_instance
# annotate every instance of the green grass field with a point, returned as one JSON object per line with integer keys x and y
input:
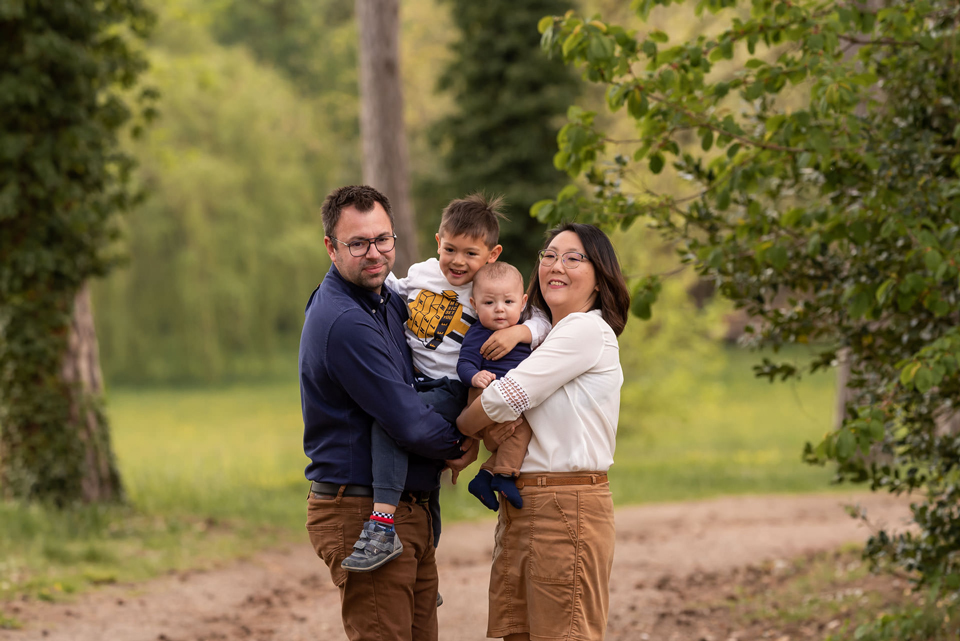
{"x": 216, "y": 473}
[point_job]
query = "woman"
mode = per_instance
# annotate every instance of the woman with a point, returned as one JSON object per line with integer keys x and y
{"x": 552, "y": 557}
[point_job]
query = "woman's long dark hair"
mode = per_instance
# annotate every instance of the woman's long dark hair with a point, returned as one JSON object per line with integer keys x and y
{"x": 613, "y": 299}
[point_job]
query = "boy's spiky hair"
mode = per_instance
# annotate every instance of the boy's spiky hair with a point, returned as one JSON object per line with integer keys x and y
{"x": 476, "y": 216}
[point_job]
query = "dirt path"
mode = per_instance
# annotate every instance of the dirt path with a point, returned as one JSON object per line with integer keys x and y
{"x": 286, "y": 595}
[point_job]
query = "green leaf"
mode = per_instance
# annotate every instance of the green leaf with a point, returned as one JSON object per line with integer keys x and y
{"x": 860, "y": 304}
{"x": 908, "y": 373}
{"x": 884, "y": 291}
{"x": 637, "y": 105}
{"x": 923, "y": 380}
{"x": 656, "y": 163}
{"x": 658, "y": 36}
{"x": 792, "y": 217}
{"x": 545, "y": 23}
{"x": 600, "y": 48}
{"x": 777, "y": 257}
{"x": 542, "y": 210}
{"x": 846, "y": 444}
{"x": 572, "y": 43}
{"x": 932, "y": 259}
{"x": 814, "y": 245}
{"x": 568, "y": 192}
{"x": 707, "y": 141}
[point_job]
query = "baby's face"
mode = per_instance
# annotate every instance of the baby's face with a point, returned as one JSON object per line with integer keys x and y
{"x": 499, "y": 302}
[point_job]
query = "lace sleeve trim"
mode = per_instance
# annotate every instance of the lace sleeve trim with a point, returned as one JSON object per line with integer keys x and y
{"x": 513, "y": 394}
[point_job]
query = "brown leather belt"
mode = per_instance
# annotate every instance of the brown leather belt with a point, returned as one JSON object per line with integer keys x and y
{"x": 544, "y": 480}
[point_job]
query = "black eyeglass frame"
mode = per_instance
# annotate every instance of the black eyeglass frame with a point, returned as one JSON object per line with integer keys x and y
{"x": 366, "y": 244}
{"x": 563, "y": 258}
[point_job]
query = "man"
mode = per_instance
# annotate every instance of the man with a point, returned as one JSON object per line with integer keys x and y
{"x": 355, "y": 367}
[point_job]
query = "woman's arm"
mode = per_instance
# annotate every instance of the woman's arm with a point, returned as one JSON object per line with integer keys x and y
{"x": 572, "y": 347}
{"x": 473, "y": 419}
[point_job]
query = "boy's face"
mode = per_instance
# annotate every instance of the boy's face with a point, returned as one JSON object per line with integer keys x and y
{"x": 461, "y": 257}
{"x": 499, "y": 302}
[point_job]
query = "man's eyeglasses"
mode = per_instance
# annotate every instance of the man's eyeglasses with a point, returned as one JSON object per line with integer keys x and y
{"x": 359, "y": 248}
{"x": 570, "y": 260}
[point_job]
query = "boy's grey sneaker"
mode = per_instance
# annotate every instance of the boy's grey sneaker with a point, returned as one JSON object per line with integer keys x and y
{"x": 376, "y": 546}
{"x": 439, "y": 599}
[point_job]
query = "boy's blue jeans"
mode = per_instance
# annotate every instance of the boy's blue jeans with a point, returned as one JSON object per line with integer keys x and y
{"x": 448, "y": 397}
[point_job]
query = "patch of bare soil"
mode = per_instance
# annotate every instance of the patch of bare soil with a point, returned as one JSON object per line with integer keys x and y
{"x": 703, "y": 571}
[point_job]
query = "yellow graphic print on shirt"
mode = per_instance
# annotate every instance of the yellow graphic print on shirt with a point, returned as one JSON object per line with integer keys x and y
{"x": 433, "y": 316}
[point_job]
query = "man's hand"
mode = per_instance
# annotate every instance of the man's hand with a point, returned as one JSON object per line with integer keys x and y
{"x": 502, "y": 341}
{"x": 469, "y": 456}
{"x": 482, "y": 378}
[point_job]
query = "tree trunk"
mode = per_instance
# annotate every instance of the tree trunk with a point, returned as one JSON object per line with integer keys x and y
{"x": 843, "y": 392}
{"x": 100, "y": 481}
{"x": 54, "y": 438}
{"x": 385, "y": 158}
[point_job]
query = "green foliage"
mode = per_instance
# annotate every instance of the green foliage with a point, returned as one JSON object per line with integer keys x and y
{"x": 819, "y": 146}
{"x": 64, "y": 69}
{"x": 229, "y": 244}
{"x": 933, "y": 620}
{"x": 501, "y": 137}
{"x": 314, "y": 45}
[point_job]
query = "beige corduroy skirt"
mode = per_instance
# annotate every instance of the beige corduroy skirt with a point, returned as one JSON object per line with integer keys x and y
{"x": 551, "y": 563}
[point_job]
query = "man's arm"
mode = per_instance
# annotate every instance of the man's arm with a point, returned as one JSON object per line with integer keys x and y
{"x": 368, "y": 370}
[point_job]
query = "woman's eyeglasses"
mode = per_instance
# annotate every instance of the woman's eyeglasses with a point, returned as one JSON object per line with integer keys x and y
{"x": 570, "y": 260}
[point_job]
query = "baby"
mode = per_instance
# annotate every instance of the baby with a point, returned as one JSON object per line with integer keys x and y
{"x": 499, "y": 300}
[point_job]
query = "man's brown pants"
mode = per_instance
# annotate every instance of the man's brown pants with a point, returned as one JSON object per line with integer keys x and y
{"x": 395, "y": 602}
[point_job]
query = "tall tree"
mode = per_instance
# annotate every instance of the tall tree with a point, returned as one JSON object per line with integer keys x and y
{"x": 843, "y": 192}
{"x": 64, "y": 66}
{"x": 385, "y": 158}
{"x": 509, "y": 98}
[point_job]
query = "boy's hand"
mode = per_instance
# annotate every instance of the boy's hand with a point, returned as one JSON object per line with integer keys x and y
{"x": 482, "y": 378}
{"x": 502, "y": 341}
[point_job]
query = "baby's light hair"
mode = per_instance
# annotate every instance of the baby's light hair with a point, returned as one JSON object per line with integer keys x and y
{"x": 497, "y": 270}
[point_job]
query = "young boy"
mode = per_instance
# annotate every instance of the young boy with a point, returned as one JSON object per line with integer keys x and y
{"x": 438, "y": 294}
{"x": 499, "y": 300}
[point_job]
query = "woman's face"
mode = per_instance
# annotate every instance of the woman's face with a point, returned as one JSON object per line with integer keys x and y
{"x": 567, "y": 290}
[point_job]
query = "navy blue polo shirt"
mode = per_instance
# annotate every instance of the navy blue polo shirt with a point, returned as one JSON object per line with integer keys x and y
{"x": 355, "y": 367}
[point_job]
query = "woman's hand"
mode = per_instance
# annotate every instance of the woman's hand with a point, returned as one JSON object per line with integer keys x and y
{"x": 499, "y": 432}
{"x": 502, "y": 341}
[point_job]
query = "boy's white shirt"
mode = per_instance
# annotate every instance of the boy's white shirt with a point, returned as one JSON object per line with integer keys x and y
{"x": 440, "y": 315}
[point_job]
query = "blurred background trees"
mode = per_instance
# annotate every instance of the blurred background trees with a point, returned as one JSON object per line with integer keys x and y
{"x": 261, "y": 120}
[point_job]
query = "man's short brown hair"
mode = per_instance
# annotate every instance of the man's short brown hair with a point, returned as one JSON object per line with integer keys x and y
{"x": 475, "y": 216}
{"x": 360, "y": 196}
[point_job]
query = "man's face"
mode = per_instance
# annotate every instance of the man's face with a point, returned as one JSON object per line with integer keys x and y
{"x": 368, "y": 271}
{"x": 461, "y": 256}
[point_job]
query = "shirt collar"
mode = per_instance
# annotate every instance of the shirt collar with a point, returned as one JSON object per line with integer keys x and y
{"x": 369, "y": 300}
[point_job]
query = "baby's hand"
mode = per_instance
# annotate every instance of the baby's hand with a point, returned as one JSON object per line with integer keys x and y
{"x": 502, "y": 341}
{"x": 482, "y": 378}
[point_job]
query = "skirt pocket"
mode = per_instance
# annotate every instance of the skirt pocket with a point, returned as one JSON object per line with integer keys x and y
{"x": 553, "y": 564}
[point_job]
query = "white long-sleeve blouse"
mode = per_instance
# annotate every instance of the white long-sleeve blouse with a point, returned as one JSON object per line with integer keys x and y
{"x": 569, "y": 391}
